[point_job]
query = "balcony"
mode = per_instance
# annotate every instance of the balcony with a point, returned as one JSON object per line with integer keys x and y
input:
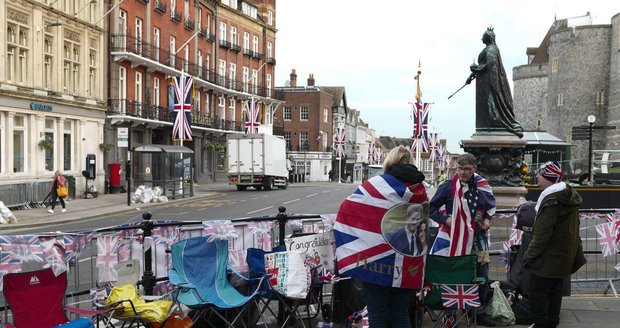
{"x": 190, "y": 24}
{"x": 257, "y": 55}
{"x": 202, "y": 32}
{"x": 211, "y": 37}
{"x": 175, "y": 16}
{"x": 144, "y": 1}
{"x": 235, "y": 47}
{"x": 160, "y": 7}
{"x": 248, "y": 52}
{"x": 271, "y": 60}
{"x": 224, "y": 44}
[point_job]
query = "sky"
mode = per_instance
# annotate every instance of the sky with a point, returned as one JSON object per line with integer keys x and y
{"x": 375, "y": 48}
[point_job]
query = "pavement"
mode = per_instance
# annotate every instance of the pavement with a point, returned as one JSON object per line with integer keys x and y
{"x": 590, "y": 311}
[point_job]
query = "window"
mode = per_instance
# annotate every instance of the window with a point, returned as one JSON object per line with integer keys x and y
{"x": 303, "y": 140}
{"x": 138, "y": 35}
{"x": 186, "y": 58}
{"x": 269, "y": 50}
{"x": 232, "y": 75}
{"x": 270, "y": 17}
{"x": 122, "y": 87}
{"x": 122, "y": 27}
{"x": 254, "y": 81}
{"x": 156, "y": 42}
{"x": 198, "y": 102}
{"x": 92, "y": 73}
{"x": 287, "y": 138}
{"x": 49, "y": 153}
{"x": 173, "y": 50}
{"x": 303, "y": 113}
{"x": 19, "y": 144}
{"x": 173, "y": 7}
{"x": 268, "y": 86}
{"x": 48, "y": 63}
{"x": 287, "y": 114}
{"x": 186, "y": 10}
{"x": 325, "y": 114}
{"x": 222, "y": 108}
{"x": 199, "y": 18}
{"x": 600, "y": 98}
{"x": 560, "y": 99}
{"x": 138, "y": 89}
{"x": 554, "y": 64}
{"x": 233, "y": 36}
{"x": 246, "y": 79}
{"x": 17, "y": 52}
{"x": 71, "y": 69}
{"x": 255, "y": 43}
{"x": 67, "y": 142}
{"x": 199, "y": 62}
{"x": 208, "y": 26}
{"x": 156, "y": 92}
{"x": 222, "y": 31}
{"x": 222, "y": 73}
{"x": 246, "y": 41}
{"x": 231, "y": 111}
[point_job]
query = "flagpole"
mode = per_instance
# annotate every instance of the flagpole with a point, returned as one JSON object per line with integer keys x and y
{"x": 418, "y": 96}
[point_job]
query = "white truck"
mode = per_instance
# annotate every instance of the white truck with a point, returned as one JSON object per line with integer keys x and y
{"x": 257, "y": 160}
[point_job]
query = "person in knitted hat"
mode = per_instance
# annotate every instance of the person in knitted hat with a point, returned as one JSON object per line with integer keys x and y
{"x": 555, "y": 244}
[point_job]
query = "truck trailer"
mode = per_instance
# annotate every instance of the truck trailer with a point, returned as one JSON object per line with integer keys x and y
{"x": 257, "y": 160}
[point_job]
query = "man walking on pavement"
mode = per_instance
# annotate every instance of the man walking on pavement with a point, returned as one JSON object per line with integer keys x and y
{"x": 555, "y": 250}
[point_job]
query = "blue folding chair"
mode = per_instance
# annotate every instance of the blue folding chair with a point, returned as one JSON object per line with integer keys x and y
{"x": 200, "y": 274}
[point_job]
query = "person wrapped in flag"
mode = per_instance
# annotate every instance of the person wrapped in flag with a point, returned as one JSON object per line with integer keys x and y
{"x": 464, "y": 206}
{"x": 362, "y": 251}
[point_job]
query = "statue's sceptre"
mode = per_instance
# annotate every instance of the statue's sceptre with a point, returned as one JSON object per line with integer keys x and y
{"x": 471, "y": 77}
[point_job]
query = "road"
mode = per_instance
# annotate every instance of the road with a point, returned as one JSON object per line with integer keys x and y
{"x": 228, "y": 203}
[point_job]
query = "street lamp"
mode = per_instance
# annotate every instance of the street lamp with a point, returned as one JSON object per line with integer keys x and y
{"x": 591, "y": 120}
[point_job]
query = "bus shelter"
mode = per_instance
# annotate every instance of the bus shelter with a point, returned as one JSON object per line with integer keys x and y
{"x": 168, "y": 167}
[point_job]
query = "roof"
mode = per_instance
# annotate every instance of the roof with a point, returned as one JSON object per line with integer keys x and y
{"x": 337, "y": 93}
{"x": 163, "y": 149}
{"x": 542, "y": 138}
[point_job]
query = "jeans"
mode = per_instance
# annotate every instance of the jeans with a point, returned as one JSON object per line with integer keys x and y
{"x": 546, "y": 301}
{"x": 388, "y": 306}
{"x": 55, "y": 197}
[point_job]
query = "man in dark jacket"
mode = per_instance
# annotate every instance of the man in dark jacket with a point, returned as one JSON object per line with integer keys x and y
{"x": 554, "y": 246}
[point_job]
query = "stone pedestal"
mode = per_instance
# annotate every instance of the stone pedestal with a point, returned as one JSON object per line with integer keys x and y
{"x": 499, "y": 157}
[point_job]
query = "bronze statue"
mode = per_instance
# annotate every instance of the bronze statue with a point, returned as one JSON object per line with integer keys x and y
{"x": 494, "y": 106}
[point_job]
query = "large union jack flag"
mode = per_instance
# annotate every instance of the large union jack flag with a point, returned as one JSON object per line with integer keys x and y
{"x": 107, "y": 257}
{"x": 607, "y": 238}
{"x": 371, "y": 153}
{"x": 252, "y": 117}
{"x": 420, "y": 119}
{"x": 339, "y": 142}
{"x": 433, "y": 145}
{"x": 182, "y": 108}
{"x": 361, "y": 249}
{"x": 460, "y": 296}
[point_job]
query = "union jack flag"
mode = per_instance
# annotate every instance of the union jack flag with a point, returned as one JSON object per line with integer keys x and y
{"x": 371, "y": 153}
{"x": 252, "y": 117}
{"x": 460, "y": 296}
{"x": 219, "y": 229}
{"x": 607, "y": 238}
{"x": 107, "y": 257}
{"x": 165, "y": 234}
{"x": 20, "y": 248}
{"x": 182, "y": 109}
{"x": 439, "y": 158}
{"x": 74, "y": 245}
{"x": 52, "y": 253}
{"x": 12, "y": 267}
{"x": 236, "y": 260}
{"x": 420, "y": 119}
{"x": 433, "y": 145}
{"x": 339, "y": 142}
{"x": 361, "y": 247}
{"x": 379, "y": 156}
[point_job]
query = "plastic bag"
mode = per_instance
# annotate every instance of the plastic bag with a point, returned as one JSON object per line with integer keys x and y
{"x": 62, "y": 192}
{"x": 154, "y": 311}
{"x": 498, "y": 310}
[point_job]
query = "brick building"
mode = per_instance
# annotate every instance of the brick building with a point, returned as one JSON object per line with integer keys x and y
{"x": 228, "y": 47}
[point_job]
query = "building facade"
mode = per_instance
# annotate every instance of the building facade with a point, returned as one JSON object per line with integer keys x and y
{"x": 52, "y": 90}
{"x": 227, "y": 46}
{"x": 307, "y": 121}
{"x": 574, "y": 73}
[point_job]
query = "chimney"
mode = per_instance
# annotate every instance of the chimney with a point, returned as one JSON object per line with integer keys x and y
{"x": 293, "y": 79}
{"x": 311, "y": 80}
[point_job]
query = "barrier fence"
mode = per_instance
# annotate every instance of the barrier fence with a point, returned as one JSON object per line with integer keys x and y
{"x": 26, "y": 194}
{"x": 598, "y": 276}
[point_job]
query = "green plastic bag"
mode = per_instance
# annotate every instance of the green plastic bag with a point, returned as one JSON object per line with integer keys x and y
{"x": 498, "y": 309}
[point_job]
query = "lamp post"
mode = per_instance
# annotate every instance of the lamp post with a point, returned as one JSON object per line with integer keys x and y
{"x": 591, "y": 120}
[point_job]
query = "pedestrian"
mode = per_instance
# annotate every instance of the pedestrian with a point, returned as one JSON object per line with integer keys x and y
{"x": 59, "y": 181}
{"x": 555, "y": 250}
{"x": 464, "y": 207}
{"x": 358, "y": 232}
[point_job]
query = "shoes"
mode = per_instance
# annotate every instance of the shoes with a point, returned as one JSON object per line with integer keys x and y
{"x": 63, "y": 210}
{"x": 50, "y": 210}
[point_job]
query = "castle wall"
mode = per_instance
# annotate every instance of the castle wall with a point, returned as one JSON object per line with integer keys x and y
{"x": 530, "y": 93}
{"x": 613, "y": 108}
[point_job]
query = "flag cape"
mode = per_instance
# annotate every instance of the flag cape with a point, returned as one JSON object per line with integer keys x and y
{"x": 361, "y": 249}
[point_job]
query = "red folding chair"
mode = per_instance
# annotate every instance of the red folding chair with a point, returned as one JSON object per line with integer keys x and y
{"x": 36, "y": 300}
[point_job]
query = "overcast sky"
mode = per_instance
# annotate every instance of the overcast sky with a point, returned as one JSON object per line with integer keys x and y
{"x": 373, "y": 48}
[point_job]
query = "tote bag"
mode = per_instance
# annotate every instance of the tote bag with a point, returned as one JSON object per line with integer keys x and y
{"x": 62, "y": 192}
{"x": 290, "y": 273}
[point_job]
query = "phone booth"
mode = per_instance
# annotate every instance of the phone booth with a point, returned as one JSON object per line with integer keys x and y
{"x": 90, "y": 173}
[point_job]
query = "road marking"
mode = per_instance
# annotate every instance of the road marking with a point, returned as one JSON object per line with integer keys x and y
{"x": 324, "y": 191}
{"x": 290, "y": 201}
{"x": 316, "y": 193}
{"x": 262, "y": 209}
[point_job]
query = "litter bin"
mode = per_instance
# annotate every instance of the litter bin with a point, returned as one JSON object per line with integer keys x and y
{"x": 115, "y": 177}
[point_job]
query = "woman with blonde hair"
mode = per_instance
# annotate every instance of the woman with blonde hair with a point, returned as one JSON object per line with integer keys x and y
{"x": 59, "y": 181}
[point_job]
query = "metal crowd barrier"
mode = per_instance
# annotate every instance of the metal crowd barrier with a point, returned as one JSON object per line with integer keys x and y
{"x": 598, "y": 276}
{"x": 24, "y": 194}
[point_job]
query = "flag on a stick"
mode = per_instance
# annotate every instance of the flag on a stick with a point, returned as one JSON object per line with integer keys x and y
{"x": 182, "y": 108}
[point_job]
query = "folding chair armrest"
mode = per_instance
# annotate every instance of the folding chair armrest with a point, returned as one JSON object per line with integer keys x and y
{"x": 84, "y": 312}
{"x": 259, "y": 284}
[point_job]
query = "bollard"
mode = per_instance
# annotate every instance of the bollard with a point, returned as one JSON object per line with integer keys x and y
{"x": 148, "y": 279}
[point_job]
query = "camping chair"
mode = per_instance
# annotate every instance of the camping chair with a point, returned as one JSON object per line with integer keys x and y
{"x": 256, "y": 263}
{"x": 453, "y": 286}
{"x": 37, "y": 298}
{"x": 200, "y": 274}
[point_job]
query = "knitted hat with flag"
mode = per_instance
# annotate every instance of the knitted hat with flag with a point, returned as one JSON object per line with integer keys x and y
{"x": 551, "y": 171}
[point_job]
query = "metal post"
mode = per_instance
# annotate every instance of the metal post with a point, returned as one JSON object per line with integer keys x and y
{"x": 148, "y": 279}
{"x": 128, "y": 167}
{"x": 590, "y": 178}
{"x": 281, "y": 235}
